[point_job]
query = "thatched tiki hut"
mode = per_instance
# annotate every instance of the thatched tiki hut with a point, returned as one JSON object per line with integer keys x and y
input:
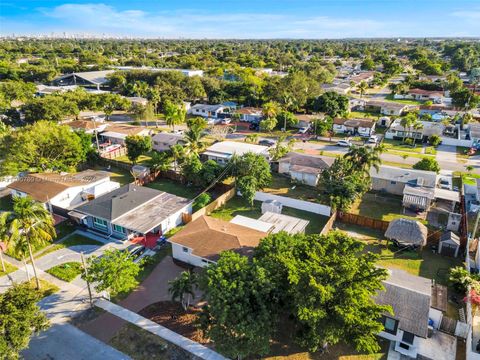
{"x": 407, "y": 233}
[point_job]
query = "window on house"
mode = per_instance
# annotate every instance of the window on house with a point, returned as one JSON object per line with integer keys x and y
{"x": 119, "y": 229}
{"x": 185, "y": 249}
{"x": 408, "y": 337}
{"x": 390, "y": 325}
{"x": 393, "y": 182}
{"x": 404, "y": 346}
{"x": 99, "y": 223}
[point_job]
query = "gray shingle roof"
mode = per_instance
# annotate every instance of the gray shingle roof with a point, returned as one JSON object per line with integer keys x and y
{"x": 410, "y": 297}
{"x": 307, "y": 163}
{"x": 118, "y": 202}
{"x": 411, "y": 176}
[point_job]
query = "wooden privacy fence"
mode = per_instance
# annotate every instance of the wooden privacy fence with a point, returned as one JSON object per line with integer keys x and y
{"x": 214, "y": 205}
{"x": 362, "y": 221}
{"x": 329, "y": 225}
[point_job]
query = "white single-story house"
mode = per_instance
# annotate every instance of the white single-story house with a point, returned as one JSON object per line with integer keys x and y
{"x": 116, "y": 134}
{"x": 221, "y": 152}
{"x": 362, "y": 127}
{"x": 250, "y": 114}
{"x": 341, "y": 88}
{"x": 424, "y": 95}
{"x": 64, "y": 191}
{"x": 90, "y": 127}
{"x": 418, "y": 309}
{"x": 201, "y": 241}
{"x": 387, "y": 107}
{"x": 393, "y": 180}
{"x": 164, "y": 141}
{"x": 95, "y": 79}
{"x": 132, "y": 211}
{"x": 304, "y": 168}
{"x": 207, "y": 111}
{"x": 429, "y": 128}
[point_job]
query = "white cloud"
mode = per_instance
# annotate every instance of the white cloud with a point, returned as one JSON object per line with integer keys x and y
{"x": 469, "y": 15}
{"x": 101, "y": 18}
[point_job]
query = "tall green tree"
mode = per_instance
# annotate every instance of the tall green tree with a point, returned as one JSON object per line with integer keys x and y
{"x": 252, "y": 172}
{"x": 20, "y": 318}
{"x": 239, "y": 315}
{"x": 362, "y": 88}
{"x": 137, "y": 145}
{"x": 332, "y": 104}
{"x": 174, "y": 114}
{"x": 280, "y": 149}
{"x": 31, "y": 225}
{"x": 195, "y": 135}
{"x": 183, "y": 288}
{"x": 428, "y": 164}
{"x": 363, "y": 158}
{"x": 326, "y": 284}
{"x": 114, "y": 272}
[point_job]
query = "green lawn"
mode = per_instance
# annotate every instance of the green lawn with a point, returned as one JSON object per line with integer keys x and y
{"x": 142, "y": 160}
{"x": 67, "y": 271}
{"x": 397, "y": 145}
{"x": 283, "y": 186}
{"x": 462, "y": 152}
{"x": 469, "y": 179}
{"x": 72, "y": 240}
{"x": 380, "y": 206}
{"x": 174, "y": 187}
{"x": 238, "y": 206}
{"x": 421, "y": 263}
{"x": 117, "y": 174}
{"x": 403, "y": 101}
{"x": 8, "y": 267}
{"x": 64, "y": 228}
{"x": 364, "y": 115}
{"x": 6, "y": 203}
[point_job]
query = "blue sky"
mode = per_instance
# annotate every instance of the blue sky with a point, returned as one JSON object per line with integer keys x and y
{"x": 243, "y": 18}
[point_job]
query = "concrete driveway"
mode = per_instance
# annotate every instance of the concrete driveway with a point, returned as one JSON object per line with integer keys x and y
{"x": 64, "y": 341}
{"x": 447, "y": 153}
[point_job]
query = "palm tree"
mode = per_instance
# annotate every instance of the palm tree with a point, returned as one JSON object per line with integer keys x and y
{"x": 4, "y": 234}
{"x": 362, "y": 87}
{"x": 160, "y": 161}
{"x": 417, "y": 125}
{"x": 407, "y": 123}
{"x": 30, "y": 225}
{"x": 365, "y": 157}
{"x": 271, "y": 109}
{"x": 174, "y": 114}
{"x": 182, "y": 288}
{"x": 194, "y": 135}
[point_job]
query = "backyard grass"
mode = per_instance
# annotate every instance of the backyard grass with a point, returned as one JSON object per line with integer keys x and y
{"x": 142, "y": 160}
{"x": 67, "y": 271}
{"x": 117, "y": 174}
{"x": 174, "y": 188}
{"x": 6, "y": 203}
{"x": 283, "y": 186}
{"x": 380, "y": 206}
{"x": 421, "y": 263}
{"x": 8, "y": 267}
{"x": 238, "y": 206}
{"x": 364, "y": 114}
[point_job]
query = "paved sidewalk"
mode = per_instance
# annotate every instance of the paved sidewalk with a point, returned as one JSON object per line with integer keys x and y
{"x": 191, "y": 346}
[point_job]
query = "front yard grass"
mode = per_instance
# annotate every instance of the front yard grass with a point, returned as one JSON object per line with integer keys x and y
{"x": 238, "y": 206}
{"x": 462, "y": 152}
{"x": 72, "y": 240}
{"x": 8, "y": 267}
{"x": 174, "y": 187}
{"x": 67, "y": 271}
{"x": 399, "y": 146}
{"x": 403, "y": 101}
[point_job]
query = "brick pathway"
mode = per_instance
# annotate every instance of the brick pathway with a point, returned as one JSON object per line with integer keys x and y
{"x": 153, "y": 289}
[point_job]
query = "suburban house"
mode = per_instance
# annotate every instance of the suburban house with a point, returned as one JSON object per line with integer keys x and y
{"x": 221, "y": 152}
{"x": 415, "y": 328}
{"x": 186, "y": 72}
{"x": 133, "y": 212}
{"x": 306, "y": 120}
{"x": 201, "y": 241}
{"x": 428, "y": 128}
{"x": 117, "y": 133}
{"x": 341, "y": 88}
{"x": 207, "y": 111}
{"x": 393, "y": 180}
{"x": 90, "y": 127}
{"x": 304, "y": 168}
{"x": 63, "y": 191}
{"x": 95, "y": 79}
{"x": 250, "y": 114}
{"x": 366, "y": 76}
{"x": 387, "y": 107}
{"x": 164, "y": 141}
{"x": 425, "y": 95}
{"x": 362, "y": 127}
{"x": 474, "y": 133}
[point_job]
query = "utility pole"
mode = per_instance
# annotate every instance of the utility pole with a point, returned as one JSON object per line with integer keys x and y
{"x": 96, "y": 134}
{"x": 86, "y": 277}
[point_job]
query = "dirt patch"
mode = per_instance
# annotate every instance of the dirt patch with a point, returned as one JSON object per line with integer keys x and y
{"x": 172, "y": 316}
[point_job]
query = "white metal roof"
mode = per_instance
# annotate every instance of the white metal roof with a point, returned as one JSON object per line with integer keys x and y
{"x": 447, "y": 194}
{"x": 252, "y": 223}
{"x": 290, "y": 224}
{"x": 113, "y": 134}
{"x": 239, "y": 148}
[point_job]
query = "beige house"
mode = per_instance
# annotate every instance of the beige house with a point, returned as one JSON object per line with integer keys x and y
{"x": 393, "y": 180}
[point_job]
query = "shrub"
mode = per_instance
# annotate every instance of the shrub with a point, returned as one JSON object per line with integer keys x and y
{"x": 428, "y": 164}
{"x": 202, "y": 201}
{"x": 434, "y": 140}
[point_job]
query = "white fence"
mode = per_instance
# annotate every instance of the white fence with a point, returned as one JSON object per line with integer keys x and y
{"x": 456, "y": 142}
{"x": 296, "y": 204}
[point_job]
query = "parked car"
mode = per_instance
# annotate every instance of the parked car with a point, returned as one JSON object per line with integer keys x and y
{"x": 303, "y": 130}
{"x": 443, "y": 183}
{"x": 345, "y": 143}
{"x": 266, "y": 142}
{"x": 373, "y": 139}
{"x": 178, "y": 131}
{"x": 135, "y": 250}
{"x": 254, "y": 126}
{"x": 225, "y": 121}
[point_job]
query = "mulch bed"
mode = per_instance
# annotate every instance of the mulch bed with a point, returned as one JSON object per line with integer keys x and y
{"x": 172, "y": 316}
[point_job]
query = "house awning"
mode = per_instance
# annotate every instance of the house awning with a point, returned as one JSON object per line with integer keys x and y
{"x": 77, "y": 215}
{"x": 447, "y": 195}
{"x": 419, "y": 201}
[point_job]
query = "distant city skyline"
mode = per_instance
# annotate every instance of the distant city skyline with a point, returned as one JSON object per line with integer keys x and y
{"x": 305, "y": 19}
